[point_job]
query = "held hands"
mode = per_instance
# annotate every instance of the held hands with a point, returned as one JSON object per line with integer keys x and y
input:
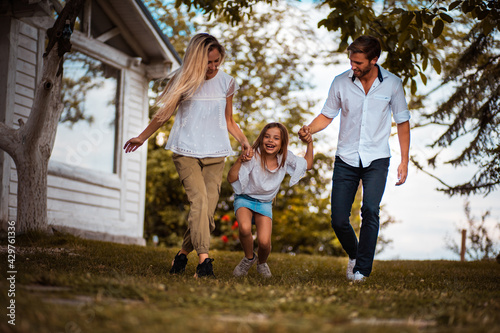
{"x": 244, "y": 158}
{"x": 305, "y": 134}
{"x": 246, "y": 152}
{"x": 132, "y": 144}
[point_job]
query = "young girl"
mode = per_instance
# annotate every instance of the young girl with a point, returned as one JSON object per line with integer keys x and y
{"x": 203, "y": 98}
{"x": 256, "y": 182}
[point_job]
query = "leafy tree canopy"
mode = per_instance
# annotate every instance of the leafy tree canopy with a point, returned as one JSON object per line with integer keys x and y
{"x": 407, "y": 29}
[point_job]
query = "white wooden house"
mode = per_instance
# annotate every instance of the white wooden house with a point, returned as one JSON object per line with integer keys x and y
{"x": 94, "y": 189}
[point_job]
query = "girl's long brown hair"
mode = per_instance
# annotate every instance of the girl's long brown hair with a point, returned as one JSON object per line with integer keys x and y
{"x": 258, "y": 145}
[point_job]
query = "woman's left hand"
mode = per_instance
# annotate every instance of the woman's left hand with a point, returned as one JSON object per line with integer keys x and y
{"x": 246, "y": 152}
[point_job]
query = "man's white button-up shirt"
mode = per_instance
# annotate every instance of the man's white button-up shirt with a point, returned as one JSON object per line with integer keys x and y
{"x": 365, "y": 121}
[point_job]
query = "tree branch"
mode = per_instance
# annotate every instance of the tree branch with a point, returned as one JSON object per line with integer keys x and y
{"x": 59, "y": 43}
{"x": 57, "y": 34}
{"x": 8, "y": 139}
{"x": 32, "y": 131}
{"x": 419, "y": 167}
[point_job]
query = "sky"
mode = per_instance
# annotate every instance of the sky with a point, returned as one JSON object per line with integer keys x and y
{"x": 428, "y": 220}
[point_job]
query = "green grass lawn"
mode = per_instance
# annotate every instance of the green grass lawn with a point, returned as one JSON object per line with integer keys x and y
{"x": 66, "y": 284}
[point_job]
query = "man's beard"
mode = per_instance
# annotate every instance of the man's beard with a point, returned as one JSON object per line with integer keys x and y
{"x": 359, "y": 74}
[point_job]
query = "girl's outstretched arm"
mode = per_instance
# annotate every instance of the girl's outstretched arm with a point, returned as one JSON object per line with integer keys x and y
{"x": 309, "y": 154}
{"x": 233, "y": 174}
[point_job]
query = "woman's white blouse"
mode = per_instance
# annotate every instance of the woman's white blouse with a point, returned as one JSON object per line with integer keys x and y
{"x": 200, "y": 128}
{"x": 264, "y": 184}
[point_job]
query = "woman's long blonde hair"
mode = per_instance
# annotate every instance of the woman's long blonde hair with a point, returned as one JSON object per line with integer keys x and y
{"x": 258, "y": 145}
{"x": 189, "y": 77}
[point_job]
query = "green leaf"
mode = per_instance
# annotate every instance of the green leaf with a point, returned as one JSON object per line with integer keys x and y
{"x": 418, "y": 19}
{"x": 413, "y": 87}
{"x": 427, "y": 17}
{"x": 487, "y": 26}
{"x": 425, "y": 61}
{"x": 425, "y": 52}
{"x": 454, "y": 5}
{"x": 403, "y": 37}
{"x": 467, "y": 7}
{"x": 446, "y": 17}
{"x": 436, "y": 64}
{"x": 481, "y": 14}
{"x": 406, "y": 19}
{"x": 414, "y": 32}
{"x": 423, "y": 78}
{"x": 343, "y": 46}
{"x": 428, "y": 34}
{"x": 438, "y": 28}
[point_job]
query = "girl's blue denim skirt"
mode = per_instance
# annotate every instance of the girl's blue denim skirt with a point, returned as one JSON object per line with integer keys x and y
{"x": 264, "y": 208}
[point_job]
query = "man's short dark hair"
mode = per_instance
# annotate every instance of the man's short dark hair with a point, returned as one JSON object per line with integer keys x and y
{"x": 368, "y": 45}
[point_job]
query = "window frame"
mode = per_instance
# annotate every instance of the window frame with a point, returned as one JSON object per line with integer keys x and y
{"x": 116, "y": 59}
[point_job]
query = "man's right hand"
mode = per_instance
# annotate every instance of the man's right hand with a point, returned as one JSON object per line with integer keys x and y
{"x": 305, "y": 134}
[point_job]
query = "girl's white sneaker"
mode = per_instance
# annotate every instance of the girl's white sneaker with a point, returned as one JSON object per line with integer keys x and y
{"x": 264, "y": 270}
{"x": 244, "y": 265}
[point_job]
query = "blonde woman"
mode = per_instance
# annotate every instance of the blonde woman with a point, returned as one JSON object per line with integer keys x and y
{"x": 203, "y": 97}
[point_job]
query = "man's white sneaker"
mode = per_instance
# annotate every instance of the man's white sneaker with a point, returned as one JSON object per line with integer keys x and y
{"x": 350, "y": 266}
{"x": 358, "y": 277}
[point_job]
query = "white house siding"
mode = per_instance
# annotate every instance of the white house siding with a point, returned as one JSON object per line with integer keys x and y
{"x": 73, "y": 203}
{"x": 25, "y": 39}
{"x": 134, "y": 164}
{"x": 89, "y": 203}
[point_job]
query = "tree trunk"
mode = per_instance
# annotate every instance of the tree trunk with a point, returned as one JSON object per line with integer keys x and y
{"x": 32, "y": 193}
{"x": 37, "y": 140}
{"x": 30, "y": 146}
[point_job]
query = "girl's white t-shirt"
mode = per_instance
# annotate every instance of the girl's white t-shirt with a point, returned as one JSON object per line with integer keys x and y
{"x": 200, "y": 128}
{"x": 264, "y": 184}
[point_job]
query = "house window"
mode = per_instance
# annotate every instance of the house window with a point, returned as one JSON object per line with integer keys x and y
{"x": 87, "y": 129}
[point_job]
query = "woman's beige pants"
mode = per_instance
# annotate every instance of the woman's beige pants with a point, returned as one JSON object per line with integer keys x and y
{"x": 201, "y": 178}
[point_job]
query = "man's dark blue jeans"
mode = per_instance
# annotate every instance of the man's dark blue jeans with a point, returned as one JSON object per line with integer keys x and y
{"x": 345, "y": 184}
